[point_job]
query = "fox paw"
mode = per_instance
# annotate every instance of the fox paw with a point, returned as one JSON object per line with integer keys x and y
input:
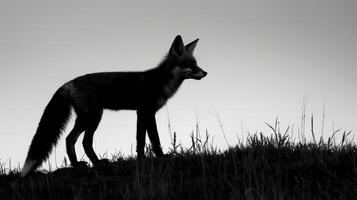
{"x": 80, "y": 164}
{"x": 140, "y": 156}
{"x": 102, "y": 162}
{"x": 166, "y": 156}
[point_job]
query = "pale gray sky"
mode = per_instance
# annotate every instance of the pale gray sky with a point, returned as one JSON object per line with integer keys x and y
{"x": 262, "y": 57}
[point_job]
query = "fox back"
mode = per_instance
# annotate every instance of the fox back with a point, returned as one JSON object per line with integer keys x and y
{"x": 137, "y": 90}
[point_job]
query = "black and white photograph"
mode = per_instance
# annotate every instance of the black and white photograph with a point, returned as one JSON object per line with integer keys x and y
{"x": 180, "y": 99}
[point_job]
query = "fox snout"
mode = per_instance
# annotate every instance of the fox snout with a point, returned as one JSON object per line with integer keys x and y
{"x": 199, "y": 75}
{"x": 189, "y": 73}
{"x": 196, "y": 74}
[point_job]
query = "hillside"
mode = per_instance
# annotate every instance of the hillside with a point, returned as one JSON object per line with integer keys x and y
{"x": 264, "y": 168}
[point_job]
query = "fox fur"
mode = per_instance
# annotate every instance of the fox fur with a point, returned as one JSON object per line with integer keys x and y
{"x": 146, "y": 92}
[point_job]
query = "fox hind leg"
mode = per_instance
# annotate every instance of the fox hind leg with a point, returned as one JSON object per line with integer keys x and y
{"x": 91, "y": 127}
{"x": 71, "y": 141}
{"x": 89, "y": 112}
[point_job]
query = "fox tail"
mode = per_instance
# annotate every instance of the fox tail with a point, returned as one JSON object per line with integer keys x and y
{"x": 51, "y": 125}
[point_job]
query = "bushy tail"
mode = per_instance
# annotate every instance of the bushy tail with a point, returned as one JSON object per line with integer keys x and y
{"x": 48, "y": 132}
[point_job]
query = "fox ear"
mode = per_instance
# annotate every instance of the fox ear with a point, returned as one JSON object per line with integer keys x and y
{"x": 177, "y": 47}
{"x": 191, "y": 46}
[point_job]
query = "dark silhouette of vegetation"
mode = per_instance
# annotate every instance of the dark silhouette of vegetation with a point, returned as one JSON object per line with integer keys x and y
{"x": 265, "y": 167}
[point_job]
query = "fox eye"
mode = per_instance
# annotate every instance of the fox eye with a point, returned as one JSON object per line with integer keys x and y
{"x": 189, "y": 64}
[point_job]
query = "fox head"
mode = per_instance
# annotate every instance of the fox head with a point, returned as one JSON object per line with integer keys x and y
{"x": 183, "y": 63}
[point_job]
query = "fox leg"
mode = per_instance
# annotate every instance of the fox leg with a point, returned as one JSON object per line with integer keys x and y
{"x": 92, "y": 124}
{"x": 150, "y": 123}
{"x": 71, "y": 141}
{"x": 140, "y": 134}
{"x": 90, "y": 112}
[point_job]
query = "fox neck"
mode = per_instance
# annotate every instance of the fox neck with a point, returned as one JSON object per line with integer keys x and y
{"x": 172, "y": 84}
{"x": 172, "y": 79}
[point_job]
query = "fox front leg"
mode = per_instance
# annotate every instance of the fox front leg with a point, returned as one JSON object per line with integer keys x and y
{"x": 140, "y": 134}
{"x": 151, "y": 127}
{"x": 146, "y": 122}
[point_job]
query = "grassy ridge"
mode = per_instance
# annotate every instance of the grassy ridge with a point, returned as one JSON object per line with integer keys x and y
{"x": 265, "y": 168}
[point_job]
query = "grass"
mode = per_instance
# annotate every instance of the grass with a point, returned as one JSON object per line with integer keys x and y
{"x": 265, "y": 167}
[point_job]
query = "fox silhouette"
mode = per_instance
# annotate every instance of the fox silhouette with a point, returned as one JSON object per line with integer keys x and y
{"x": 145, "y": 91}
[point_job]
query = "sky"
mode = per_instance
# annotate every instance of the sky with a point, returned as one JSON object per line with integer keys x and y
{"x": 265, "y": 59}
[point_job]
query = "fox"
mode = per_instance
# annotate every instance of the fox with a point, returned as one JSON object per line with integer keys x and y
{"x": 144, "y": 92}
